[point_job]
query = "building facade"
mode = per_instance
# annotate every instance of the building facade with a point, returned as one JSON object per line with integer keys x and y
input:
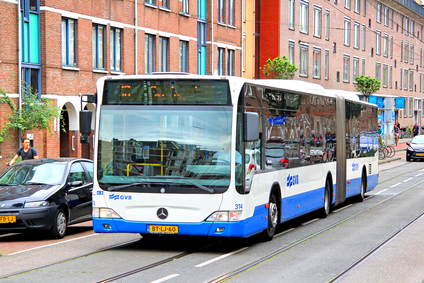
{"x": 61, "y": 48}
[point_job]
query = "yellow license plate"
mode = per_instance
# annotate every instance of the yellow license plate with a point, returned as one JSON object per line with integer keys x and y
{"x": 162, "y": 229}
{"x": 8, "y": 219}
{"x": 420, "y": 154}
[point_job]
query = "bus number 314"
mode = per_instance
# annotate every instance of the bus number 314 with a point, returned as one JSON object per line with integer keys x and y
{"x": 238, "y": 206}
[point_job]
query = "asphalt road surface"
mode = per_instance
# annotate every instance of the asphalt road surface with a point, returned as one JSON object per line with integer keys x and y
{"x": 370, "y": 241}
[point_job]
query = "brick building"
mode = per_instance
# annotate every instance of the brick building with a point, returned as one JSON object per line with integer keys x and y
{"x": 60, "y": 48}
{"x": 332, "y": 42}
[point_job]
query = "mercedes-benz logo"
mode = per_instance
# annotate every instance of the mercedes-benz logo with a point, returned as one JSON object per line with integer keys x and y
{"x": 162, "y": 213}
{"x": 3, "y": 205}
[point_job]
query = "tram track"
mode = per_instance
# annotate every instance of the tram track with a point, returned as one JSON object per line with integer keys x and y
{"x": 237, "y": 271}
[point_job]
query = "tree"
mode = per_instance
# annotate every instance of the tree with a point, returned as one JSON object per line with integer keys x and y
{"x": 279, "y": 68}
{"x": 35, "y": 113}
{"x": 367, "y": 86}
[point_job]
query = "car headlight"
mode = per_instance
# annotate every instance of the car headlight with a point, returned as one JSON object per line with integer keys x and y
{"x": 99, "y": 212}
{"x": 410, "y": 148}
{"x": 225, "y": 216}
{"x": 43, "y": 203}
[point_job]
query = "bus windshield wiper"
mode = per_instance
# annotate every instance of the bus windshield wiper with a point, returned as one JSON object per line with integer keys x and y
{"x": 114, "y": 188}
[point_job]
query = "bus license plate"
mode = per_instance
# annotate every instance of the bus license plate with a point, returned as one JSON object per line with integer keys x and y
{"x": 162, "y": 229}
{"x": 8, "y": 219}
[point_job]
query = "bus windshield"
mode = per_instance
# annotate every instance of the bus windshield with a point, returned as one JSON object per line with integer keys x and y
{"x": 165, "y": 149}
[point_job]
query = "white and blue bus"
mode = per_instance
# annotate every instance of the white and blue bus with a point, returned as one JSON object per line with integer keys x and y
{"x": 225, "y": 156}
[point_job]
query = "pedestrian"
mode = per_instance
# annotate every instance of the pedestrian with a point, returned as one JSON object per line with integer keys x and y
{"x": 26, "y": 152}
{"x": 380, "y": 135}
{"x": 415, "y": 129}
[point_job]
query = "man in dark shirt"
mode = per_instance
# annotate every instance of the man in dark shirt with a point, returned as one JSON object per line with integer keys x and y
{"x": 26, "y": 152}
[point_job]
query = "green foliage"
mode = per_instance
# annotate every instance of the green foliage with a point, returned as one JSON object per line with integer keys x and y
{"x": 35, "y": 113}
{"x": 367, "y": 85}
{"x": 279, "y": 68}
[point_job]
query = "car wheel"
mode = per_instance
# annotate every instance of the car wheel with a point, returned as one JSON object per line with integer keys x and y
{"x": 58, "y": 229}
{"x": 408, "y": 158}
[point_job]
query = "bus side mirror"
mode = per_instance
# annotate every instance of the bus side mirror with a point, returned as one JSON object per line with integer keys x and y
{"x": 251, "y": 126}
{"x": 85, "y": 126}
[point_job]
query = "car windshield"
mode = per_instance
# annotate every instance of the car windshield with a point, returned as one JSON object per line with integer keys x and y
{"x": 275, "y": 152}
{"x": 27, "y": 174}
{"x": 418, "y": 139}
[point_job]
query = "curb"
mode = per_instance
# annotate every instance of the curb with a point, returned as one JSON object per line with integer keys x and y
{"x": 387, "y": 160}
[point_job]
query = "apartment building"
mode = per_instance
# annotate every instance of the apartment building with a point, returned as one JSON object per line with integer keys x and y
{"x": 60, "y": 48}
{"x": 334, "y": 41}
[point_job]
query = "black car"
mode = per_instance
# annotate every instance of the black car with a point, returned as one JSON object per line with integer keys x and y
{"x": 415, "y": 149}
{"x": 46, "y": 194}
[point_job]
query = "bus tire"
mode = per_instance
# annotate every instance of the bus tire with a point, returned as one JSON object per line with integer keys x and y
{"x": 273, "y": 217}
{"x": 361, "y": 195}
{"x": 327, "y": 200}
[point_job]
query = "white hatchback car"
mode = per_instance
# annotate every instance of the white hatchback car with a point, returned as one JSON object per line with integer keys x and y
{"x": 253, "y": 161}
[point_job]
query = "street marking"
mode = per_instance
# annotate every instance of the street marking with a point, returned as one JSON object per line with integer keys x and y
{"x": 337, "y": 210}
{"x": 221, "y": 257}
{"x": 284, "y": 232}
{"x": 165, "y": 278}
{"x": 407, "y": 180}
{"x": 54, "y": 244}
{"x": 385, "y": 190}
{"x": 418, "y": 175}
{"x": 395, "y": 185}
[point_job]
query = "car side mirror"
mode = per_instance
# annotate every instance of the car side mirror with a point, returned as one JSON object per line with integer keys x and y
{"x": 75, "y": 184}
{"x": 408, "y": 144}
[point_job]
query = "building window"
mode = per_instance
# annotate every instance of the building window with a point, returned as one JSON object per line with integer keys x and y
{"x": 316, "y": 70}
{"x": 363, "y": 67}
{"x": 378, "y": 43}
{"x": 346, "y": 40}
{"x": 364, "y": 30}
{"x": 291, "y": 52}
{"x": 243, "y": 50}
{"x": 115, "y": 49}
{"x": 317, "y": 21}
{"x": 163, "y": 54}
{"x": 401, "y": 48}
{"x": 385, "y": 75}
{"x": 163, "y": 3}
{"x": 230, "y": 62}
{"x": 303, "y": 66}
{"x": 401, "y": 23}
{"x": 304, "y": 8}
{"x": 391, "y": 47}
{"x": 149, "y": 54}
{"x": 69, "y": 47}
{"x": 378, "y": 12}
{"x": 291, "y": 14}
{"x": 356, "y": 5}
{"x": 98, "y": 41}
{"x": 183, "y": 5}
{"x": 151, "y": 2}
{"x": 405, "y": 114}
{"x": 385, "y": 45}
{"x": 31, "y": 77}
{"x": 390, "y": 76}
{"x": 183, "y": 66}
{"x": 378, "y": 71}
{"x": 347, "y": 4}
{"x": 201, "y": 46}
{"x": 412, "y": 28}
{"x": 346, "y": 66}
{"x": 411, "y": 80}
{"x": 327, "y": 54}
{"x": 231, "y": 12}
{"x": 355, "y": 69}
{"x": 406, "y": 54}
{"x": 405, "y": 79}
{"x": 411, "y": 58}
{"x": 356, "y": 35}
{"x": 364, "y": 8}
{"x": 221, "y": 11}
{"x": 391, "y": 18}
{"x": 410, "y": 106}
{"x": 400, "y": 79}
{"x": 386, "y": 16}
{"x": 327, "y": 25}
{"x": 406, "y": 26}
{"x": 221, "y": 61}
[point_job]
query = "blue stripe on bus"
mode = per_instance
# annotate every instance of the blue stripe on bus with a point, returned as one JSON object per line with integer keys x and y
{"x": 354, "y": 188}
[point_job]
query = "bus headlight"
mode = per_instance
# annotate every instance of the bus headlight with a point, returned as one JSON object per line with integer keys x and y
{"x": 225, "y": 216}
{"x": 99, "y": 212}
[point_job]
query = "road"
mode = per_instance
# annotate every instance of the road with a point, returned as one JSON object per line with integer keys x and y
{"x": 356, "y": 242}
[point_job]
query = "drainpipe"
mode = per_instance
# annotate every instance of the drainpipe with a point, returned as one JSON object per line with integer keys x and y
{"x": 135, "y": 37}
{"x": 19, "y": 66}
{"x": 212, "y": 61}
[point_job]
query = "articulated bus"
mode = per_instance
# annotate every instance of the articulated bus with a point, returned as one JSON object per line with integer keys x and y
{"x": 225, "y": 156}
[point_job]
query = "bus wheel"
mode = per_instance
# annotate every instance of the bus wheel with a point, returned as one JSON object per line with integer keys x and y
{"x": 361, "y": 196}
{"x": 273, "y": 217}
{"x": 327, "y": 200}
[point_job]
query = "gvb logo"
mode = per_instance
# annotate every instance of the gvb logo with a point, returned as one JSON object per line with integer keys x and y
{"x": 355, "y": 167}
{"x": 292, "y": 180}
{"x": 120, "y": 197}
